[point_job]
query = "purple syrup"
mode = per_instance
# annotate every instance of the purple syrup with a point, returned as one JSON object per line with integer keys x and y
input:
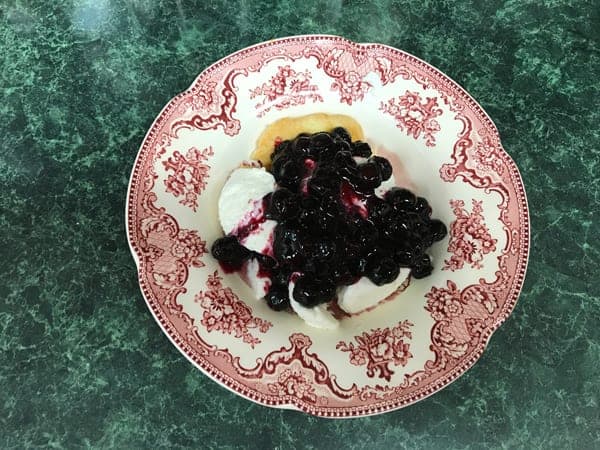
{"x": 251, "y": 221}
{"x": 229, "y": 268}
{"x": 264, "y": 272}
{"x": 353, "y": 201}
{"x": 309, "y": 168}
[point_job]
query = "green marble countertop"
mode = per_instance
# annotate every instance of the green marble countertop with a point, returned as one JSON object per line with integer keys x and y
{"x": 82, "y": 362}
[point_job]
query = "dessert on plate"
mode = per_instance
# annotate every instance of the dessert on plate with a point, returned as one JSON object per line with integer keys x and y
{"x": 317, "y": 221}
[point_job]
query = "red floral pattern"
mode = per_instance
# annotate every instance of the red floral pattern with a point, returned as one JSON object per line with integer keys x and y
{"x": 460, "y": 319}
{"x": 291, "y": 368}
{"x": 189, "y": 175}
{"x": 486, "y": 155}
{"x": 380, "y": 348}
{"x": 225, "y": 312}
{"x": 188, "y": 248}
{"x": 414, "y": 115}
{"x": 165, "y": 250}
{"x": 470, "y": 238}
{"x": 445, "y": 303}
{"x": 171, "y": 251}
{"x": 348, "y": 71}
{"x": 293, "y": 382}
{"x": 287, "y": 88}
{"x": 205, "y": 98}
{"x": 352, "y": 87}
{"x": 210, "y": 107}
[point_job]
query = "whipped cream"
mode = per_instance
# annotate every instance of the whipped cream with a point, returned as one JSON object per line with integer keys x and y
{"x": 364, "y": 293}
{"x": 241, "y": 197}
{"x": 259, "y": 283}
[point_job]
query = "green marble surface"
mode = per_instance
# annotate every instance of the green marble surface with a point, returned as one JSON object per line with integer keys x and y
{"x": 82, "y": 362}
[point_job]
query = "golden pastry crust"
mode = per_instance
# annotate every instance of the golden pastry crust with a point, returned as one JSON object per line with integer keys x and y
{"x": 290, "y": 127}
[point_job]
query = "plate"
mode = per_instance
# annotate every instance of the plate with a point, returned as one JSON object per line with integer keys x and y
{"x": 447, "y": 149}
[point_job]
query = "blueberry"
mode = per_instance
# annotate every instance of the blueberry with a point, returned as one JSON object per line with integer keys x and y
{"x": 323, "y": 268}
{"x": 362, "y": 149}
{"x": 422, "y": 208}
{"x": 375, "y": 254}
{"x": 342, "y": 146}
{"x": 343, "y": 159}
{"x": 228, "y": 250}
{"x": 397, "y": 228}
{"x": 418, "y": 229}
{"x": 323, "y": 249}
{"x": 287, "y": 247}
{"x": 280, "y": 276}
{"x": 265, "y": 261}
{"x": 384, "y": 271}
{"x": 287, "y": 174}
{"x": 342, "y": 275}
{"x": 368, "y": 177}
{"x": 301, "y": 146}
{"x": 281, "y": 148}
{"x": 327, "y": 223}
{"x": 319, "y": 186}
{"x": 426, "y": 240}
{"x": 330, "y": 244}
{"x": 311, "y": 292}
{"x": 321, "y": 140}
{"x": 309, "y": 268}
{"x": 419, "y": 224}
{"x": 282, "y": 205}
{"x": 277, "y": 162}
{"x": 326, "y": 171}
{"x": 327, "y": 154}
{"x": 341, "y": 133}
{"x": 400, "y": 199}
{"x": 379, "y": 211}
{"x": 437, "y": 230}
{"x": 278, "y": 297}
{"x": 309, "y": 220}
{"x": 309, "y": 203}
{"x": 365, "y": 233}
{"x": 327, "y": 289}
{"x": 330, "y": 204}
{"x": 403, "y": 257}
{"x": 422, "y": 268}
{"x": 347, "y": 248}
{"x": 384, "y": 166}
{"x": 357, "y": 266}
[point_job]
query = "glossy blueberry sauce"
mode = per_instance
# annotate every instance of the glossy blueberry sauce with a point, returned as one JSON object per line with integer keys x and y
{"x": 331, "y": 227}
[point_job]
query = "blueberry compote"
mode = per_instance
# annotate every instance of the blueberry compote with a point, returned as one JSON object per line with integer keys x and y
{"x": 331, "y": 227}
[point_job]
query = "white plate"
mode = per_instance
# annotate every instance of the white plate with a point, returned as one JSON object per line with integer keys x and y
{"x": 406, "y": 348}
